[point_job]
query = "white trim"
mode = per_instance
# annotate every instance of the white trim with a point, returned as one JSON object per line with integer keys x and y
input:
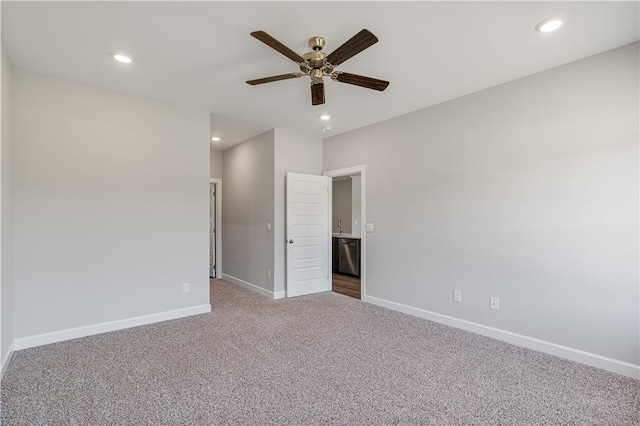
{"x": 252, "y": 287}
{"x": 218, "y": 183}
{"x": 90, "y": 330}
{"x": 330, "y": 234}
{"x": 348, "y": 171}
{"x": 588, "y": 358}
{"x": 274, "y": 226}
{"x": 7, "y": 358}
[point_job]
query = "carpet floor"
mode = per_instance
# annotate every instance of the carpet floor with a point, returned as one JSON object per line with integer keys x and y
{"x": 325, "y": 359}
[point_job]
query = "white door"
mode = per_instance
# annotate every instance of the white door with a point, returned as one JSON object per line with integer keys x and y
{"x": 308, "y": 234}
{"x": 212, "y": 230}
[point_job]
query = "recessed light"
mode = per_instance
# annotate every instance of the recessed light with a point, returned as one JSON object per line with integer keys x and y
{"x": 549, "y": 25}
{"x": 215, "y": 139}
{"x": 122, "y": 58}
{"x": 325, "y": 117}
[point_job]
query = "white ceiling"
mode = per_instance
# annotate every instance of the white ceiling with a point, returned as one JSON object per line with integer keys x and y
{"x": 199, "y": 54}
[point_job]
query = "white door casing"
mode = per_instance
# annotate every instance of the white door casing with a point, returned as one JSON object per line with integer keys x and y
{"x": 218, "y": 226}
{"x": 308, "y": 234}
{"x": 212, "y": 229}
{"x": 348, "y": 171}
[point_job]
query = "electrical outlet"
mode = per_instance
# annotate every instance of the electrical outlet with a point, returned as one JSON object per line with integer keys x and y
{"x": 495, "y": 304}
{"x": 186, "y": 287}
{"x": 269, "y": 226}
{"x": 268, "y": 273}
{"x": 457, "y": 296}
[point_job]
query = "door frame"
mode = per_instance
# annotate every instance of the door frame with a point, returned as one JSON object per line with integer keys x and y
{"x": 348, "y": 171}
{"x": 218, "y": 184}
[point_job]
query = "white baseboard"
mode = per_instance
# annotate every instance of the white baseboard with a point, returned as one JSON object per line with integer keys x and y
{"x": 594, "y": 360}
{"x": 280, "y": 294}
{"x": 253, "y": 287}
{"x": 7, "y": 358}
{"x": 89, "y": 330}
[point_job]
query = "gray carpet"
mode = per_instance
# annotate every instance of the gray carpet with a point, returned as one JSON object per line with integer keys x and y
{"x": 325, "y": 359}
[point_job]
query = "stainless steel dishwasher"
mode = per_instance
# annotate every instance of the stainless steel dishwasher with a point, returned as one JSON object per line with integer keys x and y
{"x": 349, "y": 256}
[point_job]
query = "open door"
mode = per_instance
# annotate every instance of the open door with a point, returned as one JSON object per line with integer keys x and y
{"x": 307, "y": 234}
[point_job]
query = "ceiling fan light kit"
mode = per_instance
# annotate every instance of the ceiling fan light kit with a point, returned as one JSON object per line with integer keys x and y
{"x": 318, "y": 65}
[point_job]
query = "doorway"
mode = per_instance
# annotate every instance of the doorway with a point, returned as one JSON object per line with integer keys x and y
{"x": 215, "y": 228}
{"x": 348, "y": 237}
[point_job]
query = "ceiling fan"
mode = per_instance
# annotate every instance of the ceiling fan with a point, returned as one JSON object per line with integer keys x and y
{"x": 318, "y": 65}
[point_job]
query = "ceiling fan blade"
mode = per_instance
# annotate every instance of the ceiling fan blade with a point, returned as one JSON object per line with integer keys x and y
{"x": 317, "y": 94}
{"x": 275, "y": 78}
{"x": 359, "y": 80}
{"x": 352, "y": 47}
{"x": 275, "y": 44}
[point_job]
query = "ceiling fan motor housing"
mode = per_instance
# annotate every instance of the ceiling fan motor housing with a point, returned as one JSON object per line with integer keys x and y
{"x": 314, "y": 59}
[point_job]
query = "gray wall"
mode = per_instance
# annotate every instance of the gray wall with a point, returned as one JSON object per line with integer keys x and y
{"x": 111, "y": 205}
{"x": 247, "y": 207}
{"x": 215, "y": 165}
{"x": 356, "y": 208}
{"x": 527, "y": 191}
{"x": 6, "y": 211}
{"x": 341, "y": 205}
{"x": 295, "y": 153}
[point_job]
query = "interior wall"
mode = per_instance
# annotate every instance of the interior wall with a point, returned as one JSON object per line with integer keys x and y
{"x": 527, "y": 191}
{"x": 247, "y": 208}
{"x": 356, "y": 205}
{"x": 215, "y": 164}
{"x": 111, "y": 205}
{"x": 341, "y": 205}
{"x": 295, "y": 153}
{"x": 6, "y": 210}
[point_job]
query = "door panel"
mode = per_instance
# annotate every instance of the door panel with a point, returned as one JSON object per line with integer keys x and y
{"x": 307, "y": 234}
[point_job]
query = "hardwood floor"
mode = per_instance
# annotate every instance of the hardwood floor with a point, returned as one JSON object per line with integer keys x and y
{"x": 344, "y": 284}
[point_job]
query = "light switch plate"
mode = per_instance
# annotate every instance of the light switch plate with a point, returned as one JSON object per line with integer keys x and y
{"x": 369, "y": 227}
{"x": 495, "y": 304}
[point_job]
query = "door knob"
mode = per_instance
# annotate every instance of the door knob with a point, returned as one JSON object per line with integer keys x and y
{"x": 290, "y": 241}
